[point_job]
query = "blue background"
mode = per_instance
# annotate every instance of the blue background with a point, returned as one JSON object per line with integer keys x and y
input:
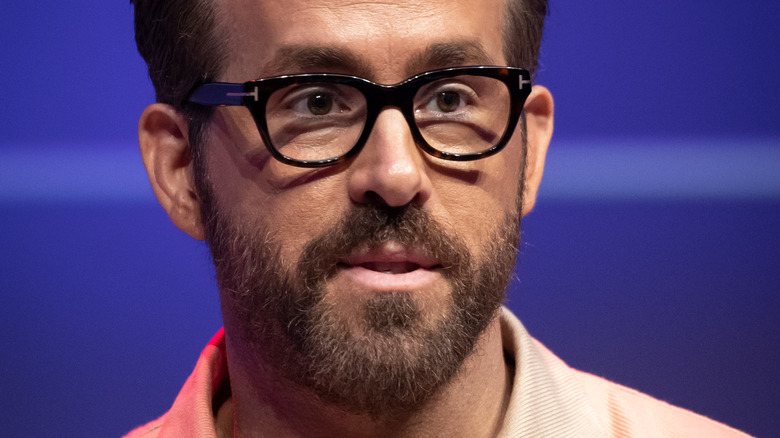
{"x": 652, "y": 258}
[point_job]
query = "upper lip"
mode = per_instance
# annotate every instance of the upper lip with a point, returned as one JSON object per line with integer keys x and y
{"x": 391, "y": 256}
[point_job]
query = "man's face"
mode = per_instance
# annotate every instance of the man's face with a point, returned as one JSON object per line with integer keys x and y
{"x": 385, "y": 269}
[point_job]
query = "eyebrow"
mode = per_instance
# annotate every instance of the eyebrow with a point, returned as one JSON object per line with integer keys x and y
{"x": 448, "y": 54}
{"x": 296, "y": 59}
{"x": 308, "y": 59}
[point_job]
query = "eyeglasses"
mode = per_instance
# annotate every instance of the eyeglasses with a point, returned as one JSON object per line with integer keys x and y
{"x": 317, "y": 120}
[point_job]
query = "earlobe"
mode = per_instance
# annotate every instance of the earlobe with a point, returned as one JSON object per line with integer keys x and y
{"x": 165, "y": 150}
{"x": 539, "y": 109}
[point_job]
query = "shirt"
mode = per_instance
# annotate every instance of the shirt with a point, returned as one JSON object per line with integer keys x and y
{"x": 549, "y": 399}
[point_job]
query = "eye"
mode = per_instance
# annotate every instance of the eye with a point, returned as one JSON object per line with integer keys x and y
{"x": 447, "y": 101}
{"x": 319, "y": 104}
{"x": 446, "y": 98}
{"x": 316, "y": 103}
{"x": 317, "y": 99}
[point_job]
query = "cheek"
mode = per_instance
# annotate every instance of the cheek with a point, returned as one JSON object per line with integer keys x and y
{"x": 299, "y": 216}
{"x": 294, "y": 204}
{"x": 476, "y": 212}
{"x": 296, "y": 216}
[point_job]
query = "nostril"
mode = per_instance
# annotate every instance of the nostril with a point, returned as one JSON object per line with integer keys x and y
{"x": 373, "y": 198}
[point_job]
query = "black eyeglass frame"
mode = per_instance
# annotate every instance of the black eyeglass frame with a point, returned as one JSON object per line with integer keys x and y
{"x": 254, "y": 95}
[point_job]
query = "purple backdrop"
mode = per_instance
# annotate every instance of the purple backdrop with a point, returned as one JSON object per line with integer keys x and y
{"x": 652, "y": 257}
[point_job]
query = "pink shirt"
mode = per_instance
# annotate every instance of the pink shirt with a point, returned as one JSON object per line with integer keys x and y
{"x": 548, "y": 399}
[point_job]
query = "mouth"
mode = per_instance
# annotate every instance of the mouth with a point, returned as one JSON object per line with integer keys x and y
{"x": 391, "y": 266}
{"x": 392, "y": 258}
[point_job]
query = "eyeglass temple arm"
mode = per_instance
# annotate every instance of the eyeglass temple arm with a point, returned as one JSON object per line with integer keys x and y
{"x": 222, "y": 94}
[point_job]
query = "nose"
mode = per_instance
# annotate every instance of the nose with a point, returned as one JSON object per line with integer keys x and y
{"x": 390, "y": 169}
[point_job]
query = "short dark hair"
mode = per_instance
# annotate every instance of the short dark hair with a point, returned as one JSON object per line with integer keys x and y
{"x": 179, "y": 42}
{"x": 524, "y": 22}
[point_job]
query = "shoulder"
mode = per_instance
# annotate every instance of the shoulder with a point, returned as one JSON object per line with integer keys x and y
{"x": 630, "y": 413}
{"x": 546, "y": 387}
{"x": 149, "y": 430}
{"x": 192, "y": 413}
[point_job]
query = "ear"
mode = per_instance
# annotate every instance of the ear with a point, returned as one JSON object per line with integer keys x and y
{"x": 165, "y": 150}
{"x": 539, "y": 125}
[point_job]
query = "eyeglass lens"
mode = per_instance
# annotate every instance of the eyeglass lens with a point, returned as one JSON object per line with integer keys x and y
{"x": 321, "y": 120}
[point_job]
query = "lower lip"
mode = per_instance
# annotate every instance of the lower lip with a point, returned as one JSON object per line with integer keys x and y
{"x": 407, "y": 281}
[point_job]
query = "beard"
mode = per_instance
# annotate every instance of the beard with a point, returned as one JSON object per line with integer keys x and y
{"x": 397, "y": 355}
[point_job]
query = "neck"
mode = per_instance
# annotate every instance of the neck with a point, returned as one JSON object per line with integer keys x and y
{"x": 472, "y": 404}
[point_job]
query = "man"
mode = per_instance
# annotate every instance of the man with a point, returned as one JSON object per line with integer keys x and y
{"x": 362, "y": 202}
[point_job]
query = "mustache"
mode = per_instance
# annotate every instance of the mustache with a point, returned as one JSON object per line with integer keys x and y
{"x": 369, "y": 226}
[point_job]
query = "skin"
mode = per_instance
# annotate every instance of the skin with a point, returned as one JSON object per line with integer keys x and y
{"x": 390, "y": 41}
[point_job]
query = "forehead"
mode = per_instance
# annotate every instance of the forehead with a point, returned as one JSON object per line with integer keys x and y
{"x": 385, "y": 41}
